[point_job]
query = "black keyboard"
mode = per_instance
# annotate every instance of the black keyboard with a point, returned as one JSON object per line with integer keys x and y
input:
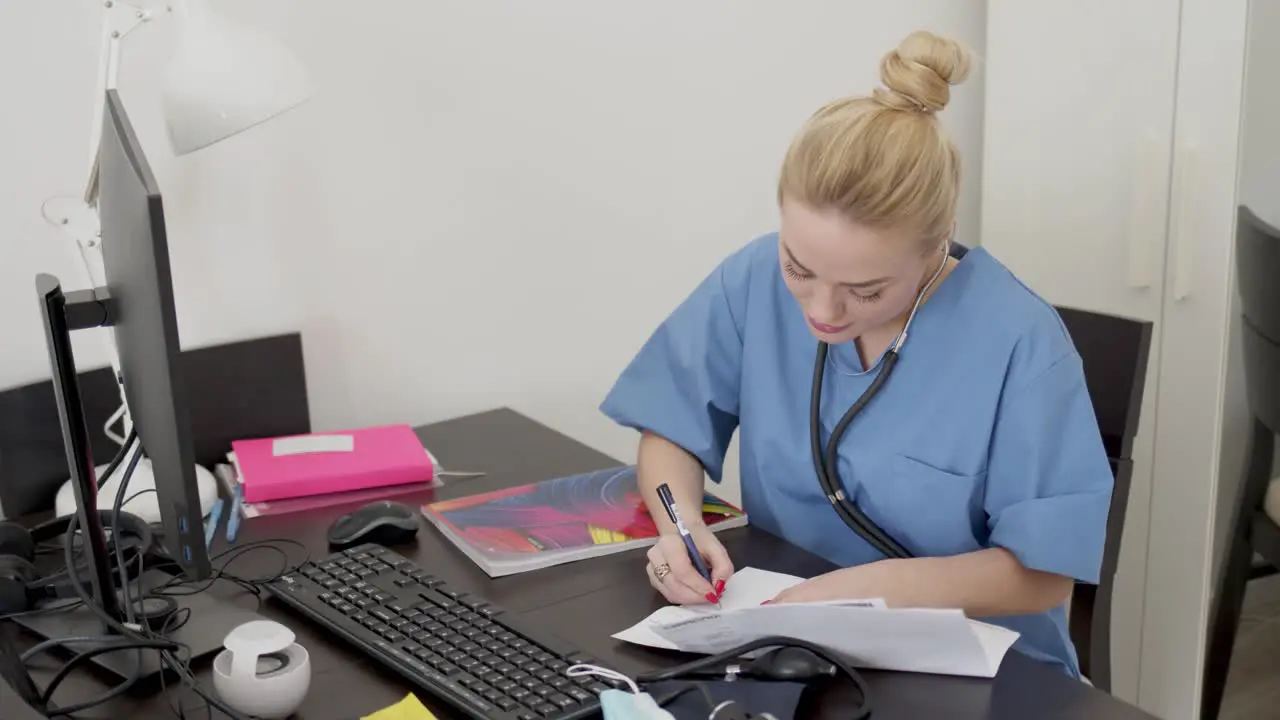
{"x": 454, "y": 646}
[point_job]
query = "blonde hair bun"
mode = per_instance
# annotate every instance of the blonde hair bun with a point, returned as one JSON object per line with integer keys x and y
{"x": 918, "y": 75}
{"x": 883, "y": 160}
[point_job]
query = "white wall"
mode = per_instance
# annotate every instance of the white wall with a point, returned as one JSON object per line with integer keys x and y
{"x": 1260, "y": 129}
{"x": 1258, "y": 188}
{"x": 489, "y": 203}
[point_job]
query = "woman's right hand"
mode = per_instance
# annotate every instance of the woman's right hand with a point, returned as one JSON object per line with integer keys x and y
{"x": 673, "y": 574}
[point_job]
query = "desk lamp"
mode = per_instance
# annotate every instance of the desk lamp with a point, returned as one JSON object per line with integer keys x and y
{"x": 223, "y": 79}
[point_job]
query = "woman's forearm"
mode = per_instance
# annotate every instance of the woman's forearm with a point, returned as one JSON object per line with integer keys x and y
{"x": 985, "y": 583}
{"x": 662, "y": 461}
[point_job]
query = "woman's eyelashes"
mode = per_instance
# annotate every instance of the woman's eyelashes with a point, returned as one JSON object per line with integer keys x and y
{"x": 795, "y": 274}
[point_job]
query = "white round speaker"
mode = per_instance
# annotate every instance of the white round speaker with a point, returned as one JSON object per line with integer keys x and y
{"x": 261, "y": 671}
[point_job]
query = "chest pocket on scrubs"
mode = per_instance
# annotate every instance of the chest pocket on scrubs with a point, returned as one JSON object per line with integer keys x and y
{"x": 930, "y": 510}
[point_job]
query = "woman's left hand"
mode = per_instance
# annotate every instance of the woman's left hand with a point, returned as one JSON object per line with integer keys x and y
{"x": 851, "y": 583}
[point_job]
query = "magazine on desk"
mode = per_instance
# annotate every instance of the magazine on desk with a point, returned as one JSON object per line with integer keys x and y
{"x": 558, "y": 521}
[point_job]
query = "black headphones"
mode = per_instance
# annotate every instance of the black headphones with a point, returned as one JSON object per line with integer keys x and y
{"x": 790, "y": 660}
{"x": 21, "y": 586}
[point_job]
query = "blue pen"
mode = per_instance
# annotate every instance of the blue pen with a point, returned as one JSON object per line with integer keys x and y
{"x": 211, "y": 524}
{"x": 669, "y": 502}
{"x": 233, "y": 522}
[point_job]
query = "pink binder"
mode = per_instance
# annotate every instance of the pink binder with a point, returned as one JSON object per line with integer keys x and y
{"x": 300, "y": 465}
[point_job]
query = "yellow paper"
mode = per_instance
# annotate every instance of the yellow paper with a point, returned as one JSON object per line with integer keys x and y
{"x": 410, "y": 708}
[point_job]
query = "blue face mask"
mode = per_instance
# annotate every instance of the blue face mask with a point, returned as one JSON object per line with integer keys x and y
{"x": 623, "y": 704}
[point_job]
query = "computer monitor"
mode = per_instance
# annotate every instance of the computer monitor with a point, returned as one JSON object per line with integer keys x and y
{"x": 135, "y": 257}
{"x": 138, "y": 304}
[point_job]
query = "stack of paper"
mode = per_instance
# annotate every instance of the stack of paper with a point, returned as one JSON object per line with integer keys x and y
{"x": 866, "y": 632}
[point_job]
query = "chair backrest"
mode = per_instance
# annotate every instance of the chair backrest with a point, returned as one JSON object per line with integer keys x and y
{"x": 243, "y": 389}
{"x": 1114, "y": 351}
{"x": 1258, "y": 288}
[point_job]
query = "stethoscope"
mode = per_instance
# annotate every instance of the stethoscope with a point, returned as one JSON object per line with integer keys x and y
{"x": 825, "y": 460}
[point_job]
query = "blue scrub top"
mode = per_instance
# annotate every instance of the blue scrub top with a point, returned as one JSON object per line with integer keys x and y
{"x": 984, "y": 437}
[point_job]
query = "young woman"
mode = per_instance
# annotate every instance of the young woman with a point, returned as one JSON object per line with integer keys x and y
{"x": 979, "y": 460}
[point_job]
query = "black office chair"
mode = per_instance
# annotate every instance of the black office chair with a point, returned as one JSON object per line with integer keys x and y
{"x": 1114, "y": 352}
{"x": 1252, "y": 529}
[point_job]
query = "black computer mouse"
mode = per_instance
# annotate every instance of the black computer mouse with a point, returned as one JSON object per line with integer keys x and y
{"x": 383, "y": 523}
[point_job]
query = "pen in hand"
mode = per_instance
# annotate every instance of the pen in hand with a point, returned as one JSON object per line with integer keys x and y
{"x": 669, "y": 503}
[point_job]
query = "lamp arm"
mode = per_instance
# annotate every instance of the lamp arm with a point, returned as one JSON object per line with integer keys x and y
{"x": 80, "y": 224}
{"x": 119, "y": 18}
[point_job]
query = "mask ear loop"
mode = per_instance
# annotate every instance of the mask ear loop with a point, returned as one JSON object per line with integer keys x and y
{"x": 584, "y": 669}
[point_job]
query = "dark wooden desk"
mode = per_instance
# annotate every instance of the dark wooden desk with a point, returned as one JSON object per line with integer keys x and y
{"x": 583, "y": 602}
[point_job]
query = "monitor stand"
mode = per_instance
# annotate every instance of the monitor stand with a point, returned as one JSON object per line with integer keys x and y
{"x": 208, "y": 619}
{"x": 207, "y": 625}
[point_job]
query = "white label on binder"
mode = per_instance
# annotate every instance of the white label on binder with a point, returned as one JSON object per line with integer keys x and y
{"x": 304, "y": 444}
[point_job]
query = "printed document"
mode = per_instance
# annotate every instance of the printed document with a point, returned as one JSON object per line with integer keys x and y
{"x": 867, "y": 633}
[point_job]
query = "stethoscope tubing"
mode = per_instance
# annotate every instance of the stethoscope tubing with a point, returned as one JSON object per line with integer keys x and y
{"x": 826, "y": 460}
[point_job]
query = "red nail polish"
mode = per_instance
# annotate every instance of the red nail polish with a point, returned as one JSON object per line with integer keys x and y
{"x": 711, "y": 598}
{"x": 719, "y": 587}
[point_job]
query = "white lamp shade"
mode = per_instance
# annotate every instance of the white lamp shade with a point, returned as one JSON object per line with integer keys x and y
{"x": 225, "y": 79}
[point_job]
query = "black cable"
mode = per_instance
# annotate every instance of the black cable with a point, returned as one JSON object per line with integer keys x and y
{"x": 140, "y": 493}
{"x": 105, "y": 697}
{"x": 706, "y": 696}
{"x": 252, "y": 585}
{"x": 111, "y": 643}
{"x": 130, "y": 614}
{"x": 166, "y": 648}
{"x": 129, "y": 636}
{"x": 46, "y": 610}
{"x": 671, "y": 697}
{"x": 180, "y": 711}
{"x": 73, "y": 577}
{"x": 119, "y": 643}
{"x": 171, "y": 624}
{"x": 115, "y": 531}
{"x": 167, "y": 657}
{"x": 268, "y": 542}
{"x": 51, "y": 643}
{"x": 119, "y": 457}
{"x": 124, "y": 633}
{"x": 106, "y": 647}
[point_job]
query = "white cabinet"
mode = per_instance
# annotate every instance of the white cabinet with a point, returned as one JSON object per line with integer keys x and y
{"x": 1108, "y": 183}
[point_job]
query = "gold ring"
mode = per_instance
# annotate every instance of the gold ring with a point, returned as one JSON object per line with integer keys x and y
{"x": 661, "y": 571}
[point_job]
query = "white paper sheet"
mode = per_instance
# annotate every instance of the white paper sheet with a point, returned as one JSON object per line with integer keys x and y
{"x": 868, "y": 633}
{"x": 746, "y": 589}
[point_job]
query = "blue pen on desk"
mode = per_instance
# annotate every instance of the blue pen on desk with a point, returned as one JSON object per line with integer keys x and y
{"x": 669, "y": 502}
{"x": 233, "y": 521}
{"x": 211, "y": 524}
